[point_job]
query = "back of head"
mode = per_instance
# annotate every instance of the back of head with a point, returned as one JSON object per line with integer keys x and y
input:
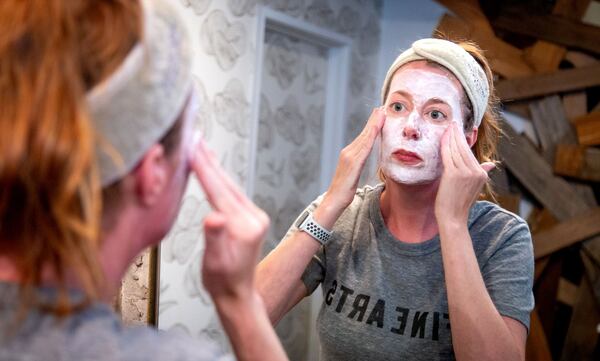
{"x": 51, "y": 53}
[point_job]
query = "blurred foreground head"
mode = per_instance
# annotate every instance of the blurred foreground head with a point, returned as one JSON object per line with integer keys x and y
{"x": 86, "y": 88}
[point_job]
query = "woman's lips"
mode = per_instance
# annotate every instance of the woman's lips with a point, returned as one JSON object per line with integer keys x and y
{"x": 407, "y": 157}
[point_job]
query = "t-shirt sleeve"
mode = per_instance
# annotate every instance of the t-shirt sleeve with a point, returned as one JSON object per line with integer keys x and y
{"x": 508, "y": 274}
{"x": 314, "y": 273}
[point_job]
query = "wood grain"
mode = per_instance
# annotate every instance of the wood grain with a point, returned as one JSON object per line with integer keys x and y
{"x": 543, "y": 84}
{"x": 588, "y": 128}
{"x": 532, "y": 170}
{"x": 567, "y": 233}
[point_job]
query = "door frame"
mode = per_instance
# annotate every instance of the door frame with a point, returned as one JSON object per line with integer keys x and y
{"x": 335, "y": 113}
{"x": 338, "y": 70}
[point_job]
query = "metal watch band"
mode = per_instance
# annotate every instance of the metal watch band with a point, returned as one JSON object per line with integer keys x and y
{"x": 310, "y": 226}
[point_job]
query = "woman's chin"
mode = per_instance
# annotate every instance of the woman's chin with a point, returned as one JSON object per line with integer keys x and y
{"x": 411, "y": 177}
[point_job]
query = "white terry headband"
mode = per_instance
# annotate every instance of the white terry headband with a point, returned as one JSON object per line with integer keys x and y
{"x": 142, "y": 99}
{"x": 454, "y": 58}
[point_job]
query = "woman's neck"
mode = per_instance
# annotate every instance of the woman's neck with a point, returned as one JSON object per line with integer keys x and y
{"x": 408, "y": 210}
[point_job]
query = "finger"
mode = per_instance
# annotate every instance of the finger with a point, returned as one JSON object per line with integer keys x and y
{"x": 465, "y": 150}
{"x": 214, "y": 228}
{"x": 453, "y": 148}
{"x": 227, "y": 182}
{"x": 211, "y": 180}
{"x": 447, "y": 160}
{"x": 363, "y": 144}
{"x": 488, "y": 166}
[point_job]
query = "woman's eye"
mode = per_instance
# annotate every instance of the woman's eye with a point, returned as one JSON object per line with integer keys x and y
{"x": 397, "y": 107}
{"x": 437, "y": 115}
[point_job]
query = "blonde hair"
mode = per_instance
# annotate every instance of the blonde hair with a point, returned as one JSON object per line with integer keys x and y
{"x": 51, "y": 53}
{"x": 489, "y": 130}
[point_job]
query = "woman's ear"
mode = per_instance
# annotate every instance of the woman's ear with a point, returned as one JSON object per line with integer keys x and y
{"x": 471, "y": 137}
{"x": 151, "y": 175}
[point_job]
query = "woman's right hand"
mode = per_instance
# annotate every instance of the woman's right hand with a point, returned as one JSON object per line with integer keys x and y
{"x": 350, "y": 165}
{"x": 234, "y": 232}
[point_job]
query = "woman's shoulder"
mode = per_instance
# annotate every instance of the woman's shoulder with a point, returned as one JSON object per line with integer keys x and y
{"x": 489, "y": 210}
{"x": 362, "y": 196}
{"x": 490, "y": 218}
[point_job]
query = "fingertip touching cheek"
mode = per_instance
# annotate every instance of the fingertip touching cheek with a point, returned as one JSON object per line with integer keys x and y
{"x": 422, "y": 102}
{"x": 191, "y": 131}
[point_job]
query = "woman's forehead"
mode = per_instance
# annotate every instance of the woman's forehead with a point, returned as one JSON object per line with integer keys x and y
{"x": 423, "y": 71}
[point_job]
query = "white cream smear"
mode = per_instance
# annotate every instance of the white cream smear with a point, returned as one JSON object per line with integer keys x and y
{"x": 413, "y": 129}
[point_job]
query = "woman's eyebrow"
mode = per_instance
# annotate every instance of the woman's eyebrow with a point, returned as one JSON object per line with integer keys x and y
{"x": 402, "y": 93}
{"x": 436, "y": 101}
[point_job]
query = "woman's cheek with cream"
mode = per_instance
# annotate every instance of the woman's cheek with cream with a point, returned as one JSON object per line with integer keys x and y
{"x": 427, "y": 146}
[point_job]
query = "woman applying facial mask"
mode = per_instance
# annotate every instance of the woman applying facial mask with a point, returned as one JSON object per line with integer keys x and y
{"x": 414, "y": 268}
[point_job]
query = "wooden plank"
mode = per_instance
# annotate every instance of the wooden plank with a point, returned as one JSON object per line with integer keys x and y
{"x": 544, "y": 57}
{"x": 505, "y": 59}
{"x": 499, "y": 180}
{"x": 592, "y": 271}
{"x": 551, "y": 28}
{"x": 582, "y": 335}
{"x": 537, "y": 344}
{"x": 537, "y": 176}
{"x": 579, "y": 59}
{"x": 542, "y": 84}
{"x": 585, "y": 191}
{"x": 540, "y": 220}
{"x": 592, "y": 249}
{"x": 540, "y": 267}
{"x": 575, "y": 105}
{"x": 566, "y": 233}
{"x": 588, "y": 128}
{"x": 520, "y": 108}
{"x": 571, "y": 9}
{"x": 578, "y": 161}
{"x": 552, "y": 127}
{"x": 567, "y": 292}
{"x": 551, "y": 124}
{"x": 470, "y": 11}
{"x": 510, "y": 202}
{"x": 592, "y": 15}
{"x": 546, "y": 290}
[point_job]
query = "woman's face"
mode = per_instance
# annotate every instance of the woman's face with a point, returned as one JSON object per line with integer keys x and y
{"x": 180, "y": 167}
{"x": 423, "y": 100}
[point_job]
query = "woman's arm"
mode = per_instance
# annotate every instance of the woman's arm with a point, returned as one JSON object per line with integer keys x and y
{"x": 234, "y": 231}
{"x": 279, "y": 274}
{"x": 479, "y": 332}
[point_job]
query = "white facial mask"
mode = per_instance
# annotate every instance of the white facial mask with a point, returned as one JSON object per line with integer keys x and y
{"x": 414, "y": 130}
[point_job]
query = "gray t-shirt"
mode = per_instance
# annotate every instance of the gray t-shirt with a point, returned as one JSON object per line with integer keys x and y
{"x": 95, "y": 333}
{"x": 385, "y": 299}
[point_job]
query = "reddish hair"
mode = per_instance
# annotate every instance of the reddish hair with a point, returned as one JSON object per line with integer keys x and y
{"x": 51, "y": 53}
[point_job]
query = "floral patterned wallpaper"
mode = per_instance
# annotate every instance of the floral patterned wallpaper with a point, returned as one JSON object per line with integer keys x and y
{"x": 291, "y": 112}
{"x": 289, "y": 148}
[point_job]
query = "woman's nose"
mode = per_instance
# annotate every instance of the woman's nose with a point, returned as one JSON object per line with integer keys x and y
{"x": 410, "y": 129}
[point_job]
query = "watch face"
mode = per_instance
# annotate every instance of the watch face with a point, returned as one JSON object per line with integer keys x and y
{"x": 301, "y": 219}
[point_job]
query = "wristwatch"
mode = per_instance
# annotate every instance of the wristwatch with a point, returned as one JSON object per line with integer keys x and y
{"x": 307, "y": 224}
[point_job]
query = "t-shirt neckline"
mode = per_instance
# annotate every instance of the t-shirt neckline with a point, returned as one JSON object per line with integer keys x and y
{"x": 388, "y": 239}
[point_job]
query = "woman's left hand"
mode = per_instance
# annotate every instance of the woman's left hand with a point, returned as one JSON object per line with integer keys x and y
{"x": 462, "y": 179}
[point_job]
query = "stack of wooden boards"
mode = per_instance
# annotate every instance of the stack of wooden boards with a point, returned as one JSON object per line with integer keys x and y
{"x": 548, "y": 71}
